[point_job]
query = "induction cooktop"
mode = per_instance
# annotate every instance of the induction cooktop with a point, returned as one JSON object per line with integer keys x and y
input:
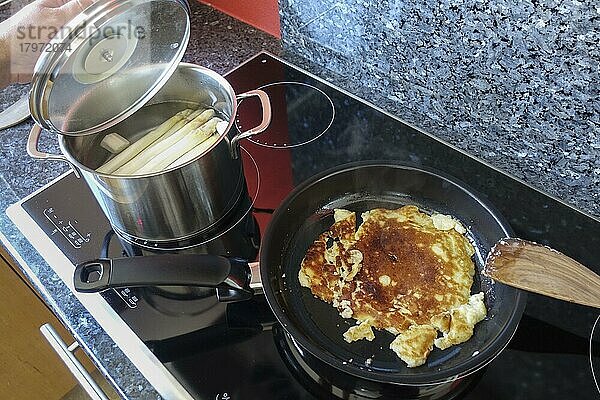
{"x": 206, "y": 350}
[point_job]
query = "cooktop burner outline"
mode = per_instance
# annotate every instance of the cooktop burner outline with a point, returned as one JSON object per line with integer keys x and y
{"x": 322, "y": 377}
{"x": 252, "y": 199}
{"x": 324, "y": 98}
{"x": 592, "y": 341}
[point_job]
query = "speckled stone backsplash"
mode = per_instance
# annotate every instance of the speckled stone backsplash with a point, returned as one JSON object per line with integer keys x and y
{"x": 514, "y": 82}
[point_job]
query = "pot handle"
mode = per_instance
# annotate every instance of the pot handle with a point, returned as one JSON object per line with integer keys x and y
{"x": 230, "y": 276}
{"x": 266, "y": 119}
{"x": 32, "y": 149}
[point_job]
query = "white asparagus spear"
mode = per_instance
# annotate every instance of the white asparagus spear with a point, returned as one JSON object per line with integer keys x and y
{"x": 184, "y": 121}
{"x": 133, "y": 164}
{"x": 196, "y": 151}
{"x": 194, "y": 138}
{"x": 162, "y": 145}
{"x": 139, "y": 145}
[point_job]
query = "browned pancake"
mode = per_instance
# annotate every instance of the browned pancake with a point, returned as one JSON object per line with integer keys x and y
{"x": 411, "y": 271}
{"x": 322, "y": 275}
{"x": 399, "y": 270}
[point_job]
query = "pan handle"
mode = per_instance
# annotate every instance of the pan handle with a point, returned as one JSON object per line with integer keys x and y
{"x": 230, "y": 276}
{"x": 34, "y": 152}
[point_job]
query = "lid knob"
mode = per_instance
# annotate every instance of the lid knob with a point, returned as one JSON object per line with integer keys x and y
{"x": 103, "y": 58}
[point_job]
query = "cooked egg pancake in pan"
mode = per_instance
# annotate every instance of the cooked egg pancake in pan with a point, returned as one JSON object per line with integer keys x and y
{"x": 404, "y": 271}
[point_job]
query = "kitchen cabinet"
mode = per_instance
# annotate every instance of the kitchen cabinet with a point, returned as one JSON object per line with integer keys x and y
{"x": 29, "y": 367}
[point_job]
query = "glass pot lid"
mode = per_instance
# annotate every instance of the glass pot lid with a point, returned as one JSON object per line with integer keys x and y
{"x": 107, "y": 63}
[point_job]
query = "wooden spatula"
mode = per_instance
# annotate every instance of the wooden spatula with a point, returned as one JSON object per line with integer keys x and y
{"x": 540, "y": 269}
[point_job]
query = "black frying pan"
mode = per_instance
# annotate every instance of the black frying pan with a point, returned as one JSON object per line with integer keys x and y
{"x": 313, "y": 324}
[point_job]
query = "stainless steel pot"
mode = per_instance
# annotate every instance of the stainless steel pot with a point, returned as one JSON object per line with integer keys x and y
{"x": 180, "y": 202}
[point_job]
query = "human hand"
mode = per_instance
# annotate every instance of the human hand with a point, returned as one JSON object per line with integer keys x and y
{"x": 23, "y": 36}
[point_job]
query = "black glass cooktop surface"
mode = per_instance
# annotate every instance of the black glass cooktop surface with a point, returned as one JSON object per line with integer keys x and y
{"x": 238, "y": 351}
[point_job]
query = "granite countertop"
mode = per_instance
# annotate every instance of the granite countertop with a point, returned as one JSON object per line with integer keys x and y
{"x": 218, "y": 42}
{"x": 514, "y": 83}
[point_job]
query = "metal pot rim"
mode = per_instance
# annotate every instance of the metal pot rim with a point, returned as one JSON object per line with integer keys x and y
{"x": 62, "y": 139}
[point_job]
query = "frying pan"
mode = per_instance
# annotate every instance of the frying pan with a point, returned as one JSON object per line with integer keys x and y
{"x": 314, "y": 325}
